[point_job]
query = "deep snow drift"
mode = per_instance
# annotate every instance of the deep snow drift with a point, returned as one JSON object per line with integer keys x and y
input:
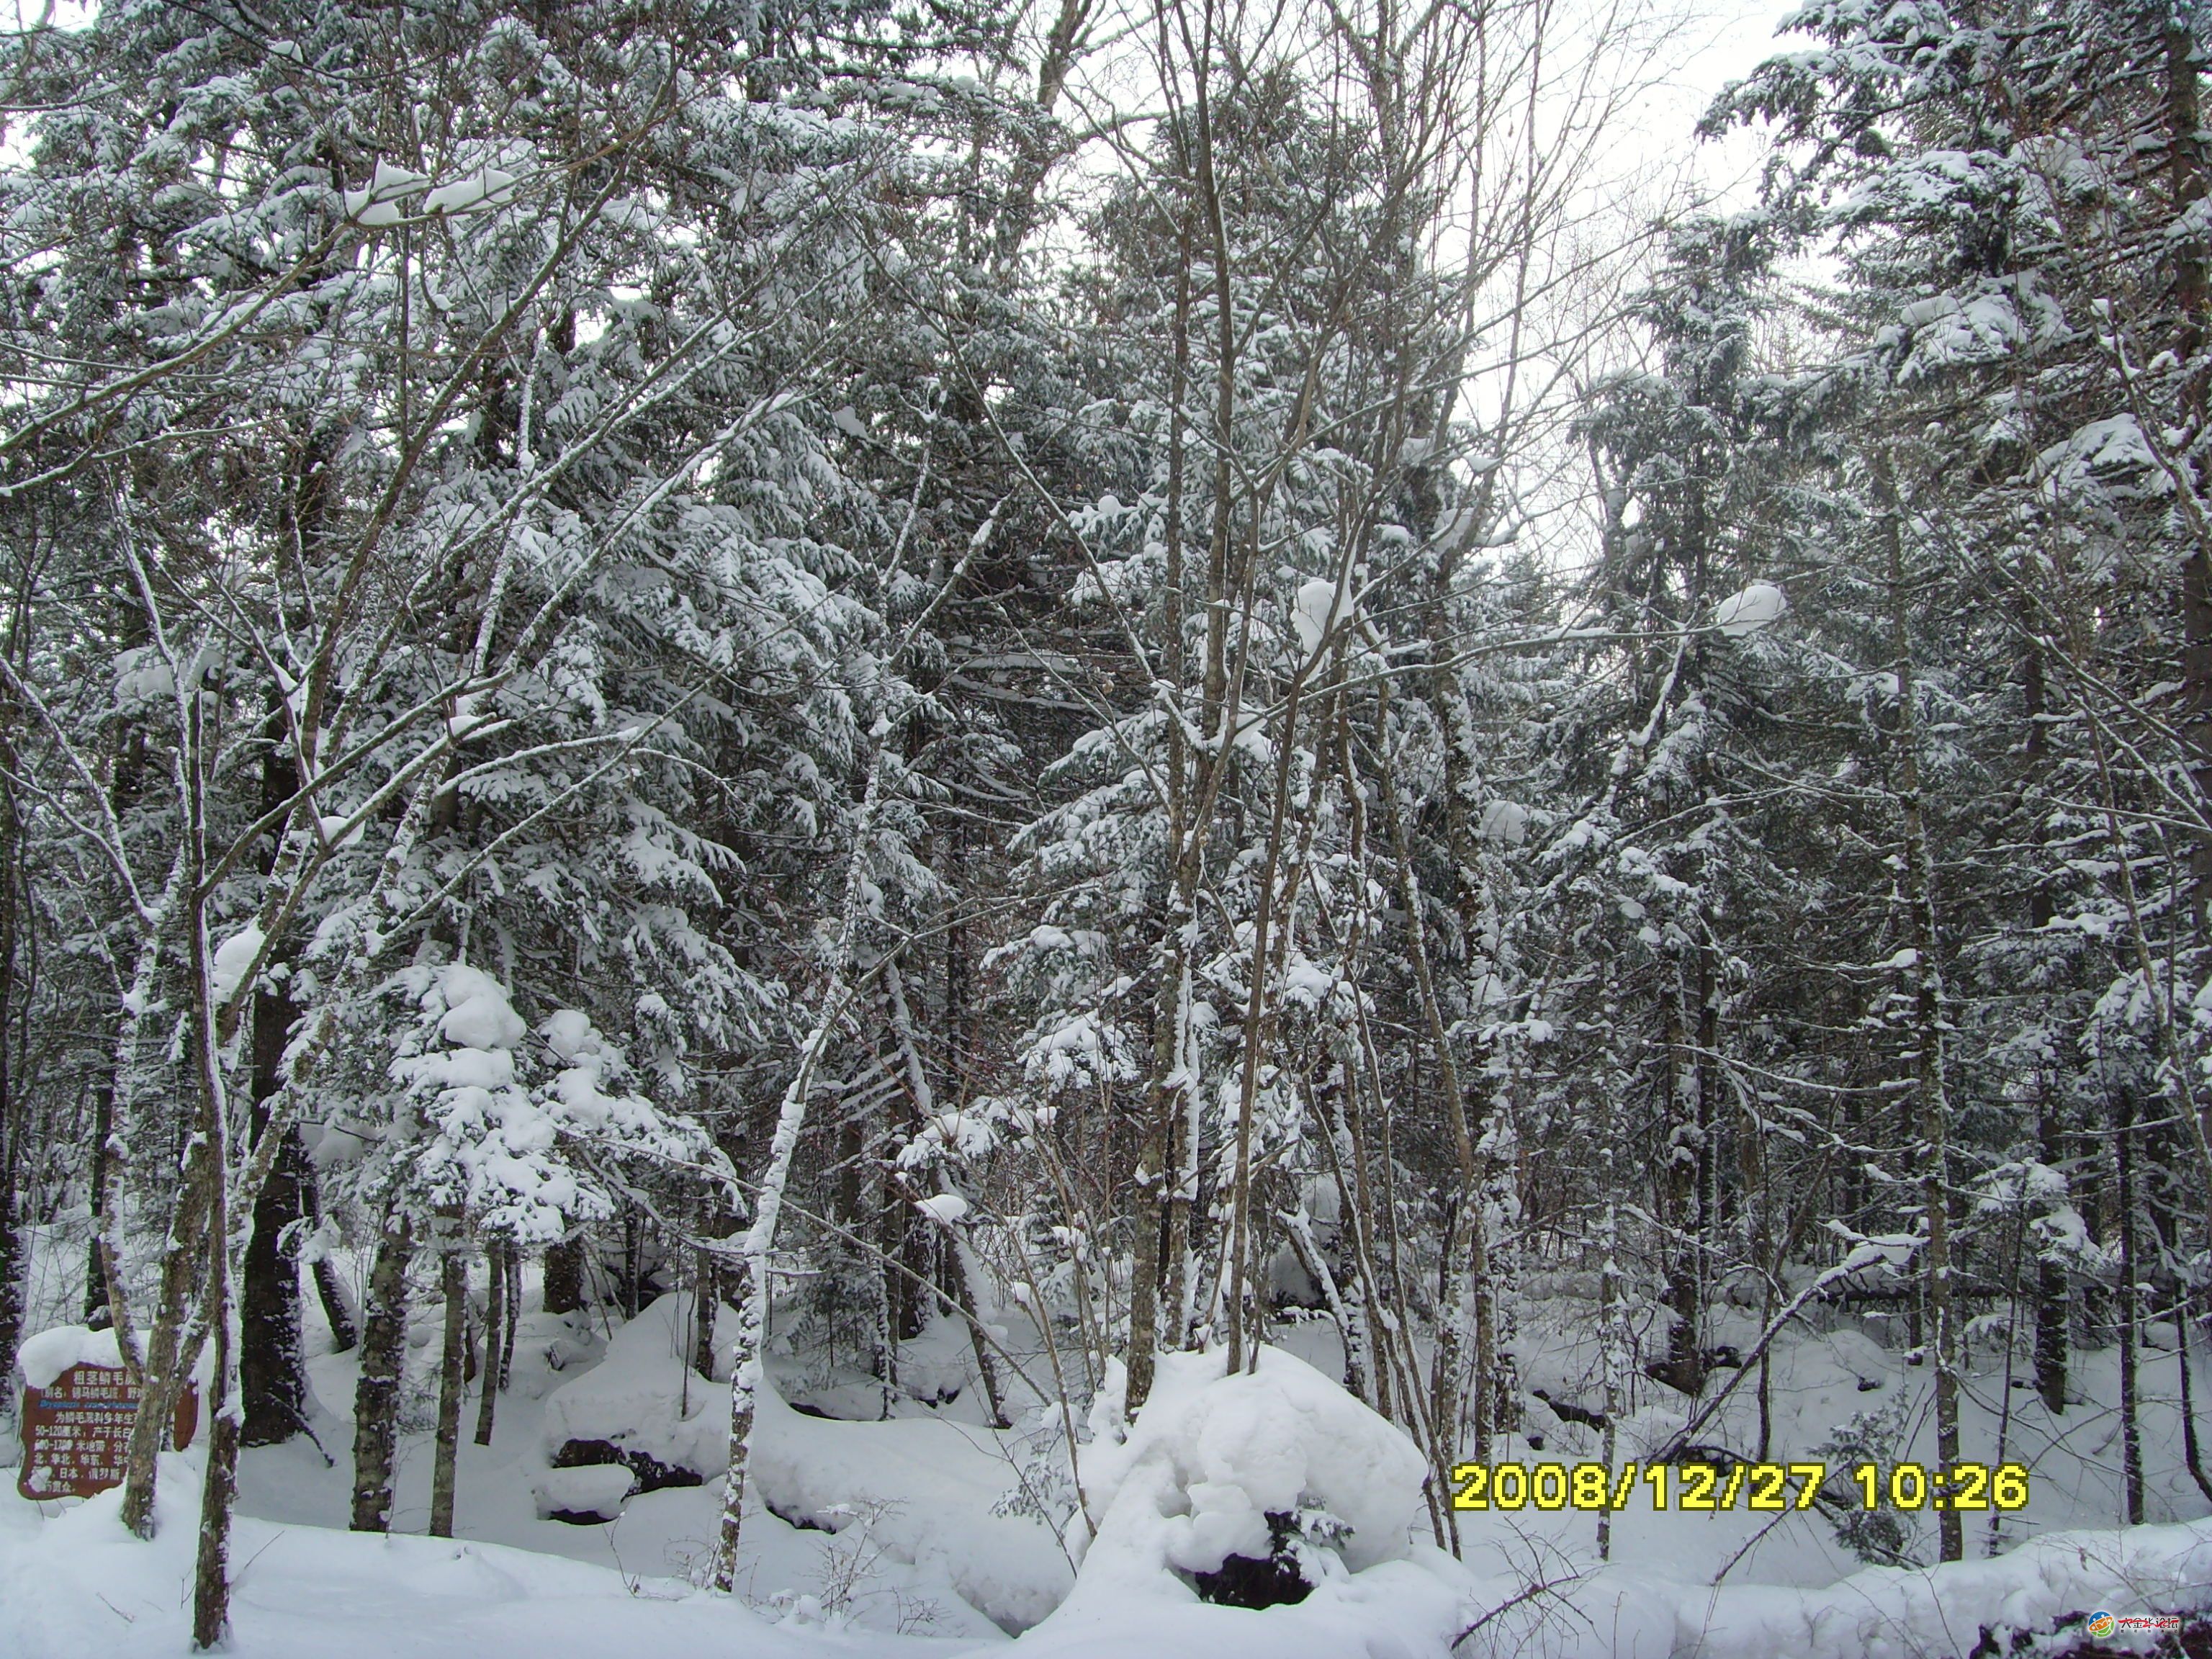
{"x": 927, "y": 1531}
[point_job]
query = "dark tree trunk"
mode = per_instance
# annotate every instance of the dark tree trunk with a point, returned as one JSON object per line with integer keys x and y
{"x": 2192, "y": 1450}
{"x": 1685, "y": 1367}
{"x": 219, "y": 1487}
{"x": 453, "y": 1281}
{"x": 633, "y": 1275}
{"x": 2050, "y": 1298}
{"x": 96, "y": 1313}
{"x": 376, "y": 1397}
{"x": 495, "y": 1323}
{"x": 169, "y": 1355}
{"x": 564, "y": 1276}
{"x": 2130, "y": 1429}
{"x": 706, "y": 1301}
{"x": 14, "y": 1117}
{"x": 11, "y": 1264}
{"x": 2051, "y": 1309}
{"x": 273, "y": 1370}
{"x": 514, "y": 1314}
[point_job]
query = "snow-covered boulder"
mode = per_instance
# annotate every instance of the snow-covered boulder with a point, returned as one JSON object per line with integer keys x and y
{"x": 592, "y": 1492}
{"x": 643, "y": 1406}
{"x": 1211, "y": 1457}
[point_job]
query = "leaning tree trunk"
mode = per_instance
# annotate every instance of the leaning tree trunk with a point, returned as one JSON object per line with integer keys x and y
{"x": 376, "y": 1396}
{"x": 747, "y": 1371}
{"x": 182, "y": 1258}
{"x": 344, "y": 1337}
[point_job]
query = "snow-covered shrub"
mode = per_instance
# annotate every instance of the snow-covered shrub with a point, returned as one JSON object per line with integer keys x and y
{"x": 1881, "y": 1537}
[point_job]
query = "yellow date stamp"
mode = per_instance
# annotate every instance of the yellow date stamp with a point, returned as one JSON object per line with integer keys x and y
{"x": 1708, "y": 1488}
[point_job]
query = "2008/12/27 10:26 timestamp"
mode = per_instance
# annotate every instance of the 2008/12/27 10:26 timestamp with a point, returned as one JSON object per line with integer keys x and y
{"x": 1707, "y": 1488}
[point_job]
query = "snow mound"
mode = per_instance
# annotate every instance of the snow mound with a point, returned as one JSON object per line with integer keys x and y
{"x": 1211, "y": 1456}
{"x": 927, "y": 1492}
{"x": 1944, "y": 1610}
{"x": 44, "y": 1357}
{"x": 644, "y": 1399}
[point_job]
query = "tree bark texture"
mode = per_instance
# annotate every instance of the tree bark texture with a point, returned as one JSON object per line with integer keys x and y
{"x": 564, "y": 1276}
{"x": 383, "y": 1362}
{"x": 453, "y": 1283}
{"x": 492, "y": 1379}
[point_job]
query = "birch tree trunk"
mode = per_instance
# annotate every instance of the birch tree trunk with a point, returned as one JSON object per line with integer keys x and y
{"x": 748, "y": 1373}
{"x": 225, "y": 1422}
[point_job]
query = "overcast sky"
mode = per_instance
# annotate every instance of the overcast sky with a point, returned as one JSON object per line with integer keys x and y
{"x": 1737, "y": 37}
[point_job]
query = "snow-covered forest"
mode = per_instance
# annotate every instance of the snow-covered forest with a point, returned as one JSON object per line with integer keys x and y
{"x": 868, "y": 826}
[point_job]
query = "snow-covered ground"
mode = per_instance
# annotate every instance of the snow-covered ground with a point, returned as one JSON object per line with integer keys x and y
{"x": 930, "y": 1533}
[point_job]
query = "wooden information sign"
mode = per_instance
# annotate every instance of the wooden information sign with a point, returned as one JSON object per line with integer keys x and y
{"x": 76, "y": 1430}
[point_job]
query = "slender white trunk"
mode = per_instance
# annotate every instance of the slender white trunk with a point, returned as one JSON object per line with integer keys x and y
{"x": 747, "y": 1372}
